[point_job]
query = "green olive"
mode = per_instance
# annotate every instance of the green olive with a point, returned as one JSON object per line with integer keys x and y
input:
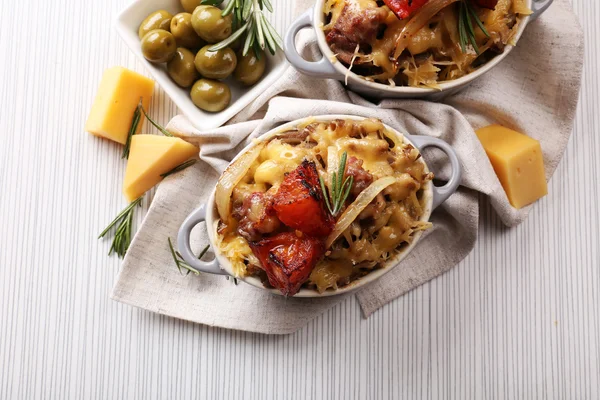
{"x": 215, "y": 64}
{"x": 250, "y": 68}
{"x": 160, "y": 19}
{"x": 190, "y": 5}
{"x": 185, "y": 35}
{"x": 210, "y": 25}
{"x": 210, "y": 95}
{"x": 182, "y": 69}
{"x": 159, "y": 46}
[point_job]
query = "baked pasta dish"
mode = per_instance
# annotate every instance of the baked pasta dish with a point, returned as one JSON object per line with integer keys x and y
{"x": 419, "y": 43}
{"x": 321, "y": 205}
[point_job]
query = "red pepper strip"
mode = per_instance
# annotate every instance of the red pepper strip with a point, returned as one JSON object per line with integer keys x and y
{"x": 404, "y": 8}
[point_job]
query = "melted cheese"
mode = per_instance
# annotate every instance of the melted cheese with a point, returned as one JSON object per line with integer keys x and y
{"x": 438, "y": 38}
{"x": 396, "y": 210}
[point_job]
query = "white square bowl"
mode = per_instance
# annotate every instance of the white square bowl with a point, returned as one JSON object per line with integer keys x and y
{"x": 127, "y": 24}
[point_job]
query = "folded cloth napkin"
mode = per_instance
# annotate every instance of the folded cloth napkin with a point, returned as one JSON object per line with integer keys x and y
{"x": 534, "y": 90}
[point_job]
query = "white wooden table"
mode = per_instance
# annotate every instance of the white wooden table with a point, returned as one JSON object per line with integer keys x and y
{"x": 519, "y": 318}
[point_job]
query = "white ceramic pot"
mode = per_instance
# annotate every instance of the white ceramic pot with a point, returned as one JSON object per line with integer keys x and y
{"x": 325, "y": 68}
{"x": 433, "y": 195}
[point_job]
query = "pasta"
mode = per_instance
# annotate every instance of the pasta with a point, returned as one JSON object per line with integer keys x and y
{"x": 423, "y": 49}
{"x": 378, "y": 218}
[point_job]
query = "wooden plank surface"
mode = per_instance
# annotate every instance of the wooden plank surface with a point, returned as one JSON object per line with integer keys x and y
{"x": 519, "y": 318}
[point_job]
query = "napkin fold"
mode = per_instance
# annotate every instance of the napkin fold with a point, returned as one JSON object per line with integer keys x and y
{"x": 534, "y": 90}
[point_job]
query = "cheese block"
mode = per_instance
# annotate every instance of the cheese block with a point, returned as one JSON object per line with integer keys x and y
{"x": 117, "y": 98}
{"x": 151, "y": 156}
{"x": 518, "y": 161}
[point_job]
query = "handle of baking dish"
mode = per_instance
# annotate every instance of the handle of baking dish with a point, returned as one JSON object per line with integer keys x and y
{"x": 538, "y": 7}
{"x": 321, "y": 68}
{"x": 441, "y": 193}
{"x": 183, "y": 244}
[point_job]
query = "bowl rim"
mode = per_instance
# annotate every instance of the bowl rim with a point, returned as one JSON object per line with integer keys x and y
{"x": 224, "y": 263}
{"x": 318, "y": 21}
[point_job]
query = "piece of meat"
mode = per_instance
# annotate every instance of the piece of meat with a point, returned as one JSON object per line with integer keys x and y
{"x": 362, "y": 178}
{"x": 404, "y": 8}
{"x": 256, "y": 216}
{"x": 288, "y": 259}
{"x": 491, "y": 4}
{"x": 355, "y": 26}
{"x": 299, "y": 202}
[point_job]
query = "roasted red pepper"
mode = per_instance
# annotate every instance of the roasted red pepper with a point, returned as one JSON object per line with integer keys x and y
{"x": 299, "y": 202}
{"x": 491, "y": 4}
{"x": 288, "y": 259}
{"x": 404, "y": 8}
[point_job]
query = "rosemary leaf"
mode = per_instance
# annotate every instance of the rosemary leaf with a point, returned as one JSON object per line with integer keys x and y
{"x": 268, "y": 37}
{"x": 324, "y": 190}
{"x": 203, "y": 252}
{"x": 470, "y": 30}
{"x": 260, "y": 35}
{"x": 274, "y": 34}
{"x": 135, "y": 121}
{"x": 157, "y": 126}
{"x": 249, "y": 39}
{"x": 230, "y": 39}
{"x": 478, "y": 20}
{"x": 174, "y": 256}
{"x": 179, "y": 168}
{"x": 461, "y": 28}
{"x": 211, "y": 2}
{"x": 257, "y": 51}
{"x": 180, "y": 263}
{"x": 228, "y": 8}
{"x": 268, "y": 5}
{"x": 247, "y": 8}
{"x": 345, "y": 192}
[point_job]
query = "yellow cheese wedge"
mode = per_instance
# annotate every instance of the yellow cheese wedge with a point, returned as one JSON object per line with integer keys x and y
{"x": 518, "y": 162}
{"x": 151, "y": 156}
{"x": 117, "y": 98}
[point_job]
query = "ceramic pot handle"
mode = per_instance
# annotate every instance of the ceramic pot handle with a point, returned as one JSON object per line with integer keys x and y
{"x": 538, "y": 7}
{"x": 321, "y": 68}
{"x": 441, "y": 193}
{"x": 183, "y": 244}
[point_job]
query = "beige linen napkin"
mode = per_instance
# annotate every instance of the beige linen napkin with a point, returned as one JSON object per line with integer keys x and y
{"x": 535, "y": 90}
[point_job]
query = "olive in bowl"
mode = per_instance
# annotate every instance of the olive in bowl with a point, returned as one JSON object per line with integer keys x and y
{"x": 210, "y": 95}
{"x": 215, "y": 64}
{"x": 182, "y": 69}
{"x": 210, "y": 25}
{"x": 159, "y": 46}
{"x": 190, "y": 5}
{"x": 250, "y": 68}
{"x": 160, "y": 19}
{"x": 185, "y": 35}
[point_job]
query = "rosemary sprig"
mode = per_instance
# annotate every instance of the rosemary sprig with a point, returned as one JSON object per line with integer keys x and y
{"x": 135, "y": 122}
{"x": 466, "y": 31}
{"x": 179, "y": 168}
{"x": 180, "y": 262}
{"x": 122, "y": 237}
{"x": 340, "y": 188}
{"x": 249, "y": 18}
